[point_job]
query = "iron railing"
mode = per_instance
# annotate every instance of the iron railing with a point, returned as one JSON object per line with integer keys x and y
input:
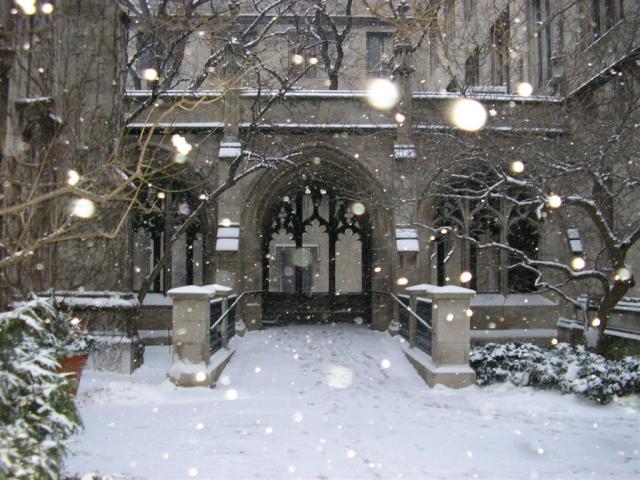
{"x": 215, "y": 326}
{"x": 416, "y": 326}
{"x": 222, "y": 325}
{"x": 424, "y": 330}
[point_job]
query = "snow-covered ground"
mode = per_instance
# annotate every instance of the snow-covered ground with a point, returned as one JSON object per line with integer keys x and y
{"x": 318, "y": 402}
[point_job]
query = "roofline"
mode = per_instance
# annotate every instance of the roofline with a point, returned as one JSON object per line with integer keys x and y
{"x": 313, "y": 93}
{"x": 162, "y": 127}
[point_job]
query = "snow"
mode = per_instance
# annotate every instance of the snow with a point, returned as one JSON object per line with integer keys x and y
{"x": 156, "y": 300}
{"x": 517, "y": 299}
{"x": 25, "y": 100}
{"x": 191, "y": 289}
{"x": 314, "y": 93}
{"x": 426, "y": 360}
{"x": 407, "y": 240}
{"x": 514, "y": 333}
{"x": 622, "y": 334}
{"x": 576, "y": 247}
{"x": 572, "y": 324}
{"x": 434, "y": 289}
{"x": 91, "y": 299}
{"x": 404, "y": 151}
{"x": 183, "y": 367}
{"x": 218, "y": 288}
{"x": 406, "y": 232}
{"x": 335, "y": 412}
{"x": 407, "y": 245}
{"x": 627, "y": 304}
{"x": 229, "y": 149}
{"x": 227, "y": 244}
{"x": 331, "y": 126}
{"x": 228, "y": 232}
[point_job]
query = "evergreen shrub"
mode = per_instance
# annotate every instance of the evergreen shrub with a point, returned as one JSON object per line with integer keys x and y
{"x": 569, "y": 369}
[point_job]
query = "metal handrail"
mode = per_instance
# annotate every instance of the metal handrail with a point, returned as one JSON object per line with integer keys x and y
{"x": 226, "y": 312}
{"x": 401, "y": 303}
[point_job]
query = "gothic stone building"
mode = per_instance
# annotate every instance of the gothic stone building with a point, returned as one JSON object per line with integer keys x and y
{"x": 350, "y": 203}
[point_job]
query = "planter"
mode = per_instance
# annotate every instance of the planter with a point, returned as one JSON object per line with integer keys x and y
{"x": 73, "y": 365}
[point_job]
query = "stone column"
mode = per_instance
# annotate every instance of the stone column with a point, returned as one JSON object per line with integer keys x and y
{"x": 190, "y": 335}
{"x": 404, "y": 149}
{"x": 451, "y": 337}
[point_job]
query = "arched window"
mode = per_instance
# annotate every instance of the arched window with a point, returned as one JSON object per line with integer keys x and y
{"x": 522, "y": 234}
{"x": 162, "y": 211}
{"x": 463, "y": 223}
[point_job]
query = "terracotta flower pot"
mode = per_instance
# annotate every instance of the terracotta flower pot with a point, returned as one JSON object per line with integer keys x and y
{"x": 73, "y": 365}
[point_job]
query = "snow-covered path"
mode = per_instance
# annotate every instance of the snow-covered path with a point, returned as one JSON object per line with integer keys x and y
{"x": 317, "y": 402}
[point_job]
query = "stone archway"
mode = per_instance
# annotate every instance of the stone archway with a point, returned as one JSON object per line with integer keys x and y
{"x": 316, "y": 251}
{"x": 307, "y": 209}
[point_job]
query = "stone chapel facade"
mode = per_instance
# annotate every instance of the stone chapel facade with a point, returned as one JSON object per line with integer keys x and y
{"x": 348, "y": 210}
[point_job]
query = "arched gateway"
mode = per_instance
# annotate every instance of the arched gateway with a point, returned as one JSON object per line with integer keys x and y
{"x": 320, "y": 232}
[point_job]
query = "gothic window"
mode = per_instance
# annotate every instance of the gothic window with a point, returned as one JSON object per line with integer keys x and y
{"x": 379, "y": 53}
{"x": 472, "y": 68}
{"x": 596, "y": 20}
{"x": 541, "y": 28}
{"x": 500, "y": 44}
{"x": 162, "y": 213}
{"x": 315, "y": 242}
{"x": 482, "y": 222}
{"x": 603, "y": 16}
{"x": 522, "y": 234}
{"x": 304, "y": 55}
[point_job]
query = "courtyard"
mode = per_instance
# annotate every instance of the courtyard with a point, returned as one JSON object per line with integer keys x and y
{"x": 340, "y": 401}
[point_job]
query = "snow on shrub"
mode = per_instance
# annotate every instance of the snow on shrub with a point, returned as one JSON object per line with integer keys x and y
{"x": 37, "y": 413}
{"x": 572, "y": 370}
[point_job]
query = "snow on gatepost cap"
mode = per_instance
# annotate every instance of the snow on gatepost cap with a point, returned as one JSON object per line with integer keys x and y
{"x": 216, "y": 287}
{"x": 447, "y": 290}
{"x": 193, "y": 290}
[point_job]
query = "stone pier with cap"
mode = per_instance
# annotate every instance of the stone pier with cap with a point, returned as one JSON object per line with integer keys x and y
{"x": 451, "y": 336}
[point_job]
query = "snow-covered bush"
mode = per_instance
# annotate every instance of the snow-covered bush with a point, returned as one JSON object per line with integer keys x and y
{"x": 572, "y": 370}
{"x": 37, "y": 412}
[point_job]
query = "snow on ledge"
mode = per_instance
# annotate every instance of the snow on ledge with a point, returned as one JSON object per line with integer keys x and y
{"x": 356, "y": 94}
{"x": 156, "y": 300}
{"x": 92, "y": 299}
{"x": 513, "y": 300}
{"x": 515, "y": 333}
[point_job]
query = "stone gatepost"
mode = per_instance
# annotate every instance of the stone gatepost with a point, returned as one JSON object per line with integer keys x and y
{"x": 190, "y": 343}
{"x": 451, "y": 336}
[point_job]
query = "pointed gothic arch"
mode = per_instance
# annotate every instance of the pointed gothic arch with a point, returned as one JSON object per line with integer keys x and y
{"x": 296, "y": 206}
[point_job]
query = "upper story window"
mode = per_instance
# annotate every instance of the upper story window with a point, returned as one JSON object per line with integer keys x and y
{"x": 472, "y": 68}
{"x": 379, "y": 53}
{"x": 450, "y": 17}
{"x": 500, "y": 38}
{"x": 468, "y": 226}
{"x": 604, "y": 14}
{"x": 542, "y": 44}
{"x": 304, "y": 56}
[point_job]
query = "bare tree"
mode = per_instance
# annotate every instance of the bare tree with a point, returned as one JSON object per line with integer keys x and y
{"x": 72, "y": 184}
{"x": 583, "y": 186}
{"x": 331, "y": 33}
